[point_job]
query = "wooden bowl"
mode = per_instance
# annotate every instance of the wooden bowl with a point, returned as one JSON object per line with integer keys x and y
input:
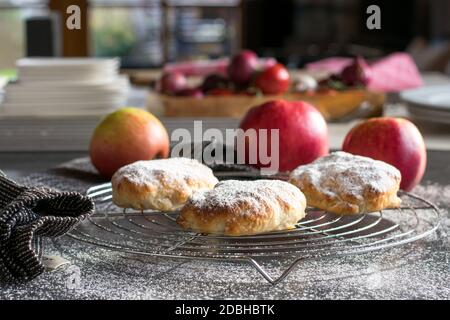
{"x": 333, "y": 105}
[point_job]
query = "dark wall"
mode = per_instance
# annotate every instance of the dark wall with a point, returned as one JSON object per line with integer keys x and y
{"x": 267, "y": 23}
{"x": 302, "y": 29}
{"x": 398, "y": 25}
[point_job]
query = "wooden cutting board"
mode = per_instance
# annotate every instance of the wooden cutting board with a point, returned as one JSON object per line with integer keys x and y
{"x": 333, "y": 106}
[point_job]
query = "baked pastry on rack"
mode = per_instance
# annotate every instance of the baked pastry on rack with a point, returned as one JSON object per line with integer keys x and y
{"x": 163, "y": 185}
{"x": 235, "y": 208}
{"x": 343, "y": 183}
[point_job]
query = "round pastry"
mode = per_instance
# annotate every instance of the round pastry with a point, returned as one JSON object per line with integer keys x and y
{"x": 235, "y": 208}
{"x": 163, "y": 185}
{"x": 343, "y": 183}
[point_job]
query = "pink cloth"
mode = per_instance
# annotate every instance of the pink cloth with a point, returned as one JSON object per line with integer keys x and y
{"x": 198, "y": 68}
{"x": 332, "y": 65}
{"x": 393, "y": 73}
{"x": 207, "y": 67}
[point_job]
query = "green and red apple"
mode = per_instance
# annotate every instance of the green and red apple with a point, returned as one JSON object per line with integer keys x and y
{"x": 126, "y": 136}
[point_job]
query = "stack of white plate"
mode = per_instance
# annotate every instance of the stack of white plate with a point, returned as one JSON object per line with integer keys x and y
{"x": 55, "y": 132}
{"x": 430, "y": 104}
{"x": 81, "y": 86}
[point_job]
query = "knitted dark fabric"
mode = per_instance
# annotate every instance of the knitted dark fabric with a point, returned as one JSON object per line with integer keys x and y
{"x": 27, "y": 215}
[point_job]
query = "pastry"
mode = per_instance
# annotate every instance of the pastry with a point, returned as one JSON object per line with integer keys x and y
{"x": 343, "y": 183}
{"x": 235, "y": 208}
{"x": 163, "y": 185}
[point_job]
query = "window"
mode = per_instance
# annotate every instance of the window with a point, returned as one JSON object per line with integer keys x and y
{"x": 12, "y": 19}
{"x": 202, "y": 31}
{"x": 149, "y": 32}
{"x": 143, "y": 33}
{"x": 130, "y": 29}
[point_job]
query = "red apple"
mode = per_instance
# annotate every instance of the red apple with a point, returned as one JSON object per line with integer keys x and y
{"x": 393, "y": 140}
{"x": 303, "y": 131}
{"x": 273, "y": 80}
{"x": 126, "y": 136}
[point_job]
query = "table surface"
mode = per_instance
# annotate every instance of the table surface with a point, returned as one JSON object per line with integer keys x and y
{"x": 417, "y": 270}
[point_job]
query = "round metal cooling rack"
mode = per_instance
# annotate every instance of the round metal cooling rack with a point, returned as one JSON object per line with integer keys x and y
{"x": 319, "y": 234}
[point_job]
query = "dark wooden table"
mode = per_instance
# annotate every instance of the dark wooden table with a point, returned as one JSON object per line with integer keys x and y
{"x": 418, "y": 270}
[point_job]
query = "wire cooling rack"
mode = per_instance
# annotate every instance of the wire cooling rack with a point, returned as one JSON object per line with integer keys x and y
{"x": 319, "y": 234}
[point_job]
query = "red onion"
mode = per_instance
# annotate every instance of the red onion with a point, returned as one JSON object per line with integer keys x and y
{"x": 172, "y": 83}
{"x": 242, "y": 67}
{"x": 358, "y": 73}
{"x": 214, "y": 81}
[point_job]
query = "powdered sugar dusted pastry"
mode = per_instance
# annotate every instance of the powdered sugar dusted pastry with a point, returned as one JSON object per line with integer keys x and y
{"x": 163, "y": 185}
{"x": 343, "y": 183}
{"x": 244, "y": 207}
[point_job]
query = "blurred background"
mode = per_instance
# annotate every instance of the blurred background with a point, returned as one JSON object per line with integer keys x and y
{"x": 149, "y": 38}
{"x": 148, "y": 33}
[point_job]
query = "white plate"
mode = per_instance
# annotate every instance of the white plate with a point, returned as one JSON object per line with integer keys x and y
{"x": 60, "y": 105}
{"x": 66, "y": 69}
{"x": 435, "y": 97}
{"x": 35, "y": 95}
{"x": 119, "y": 82}
{"x": 57, "y": 102}
{"x": 429, "y": 115}
{"x": 26, "y": 64}
{"x": 62, "y": 113}
{"x": 67, "y": 78}
{"x": 431, "y": 104}
{"x": 86, "y": 109}
{"x": 26, "y": 93}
